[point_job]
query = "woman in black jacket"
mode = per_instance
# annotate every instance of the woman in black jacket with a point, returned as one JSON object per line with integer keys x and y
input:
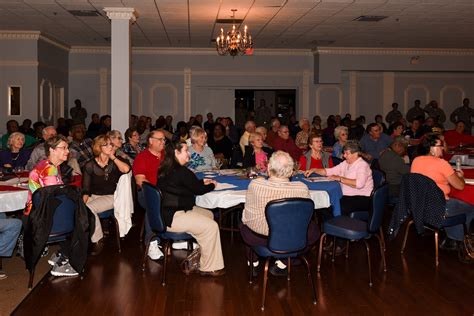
{"x": 179, "y": 186}
{"x": 256, "y": 155}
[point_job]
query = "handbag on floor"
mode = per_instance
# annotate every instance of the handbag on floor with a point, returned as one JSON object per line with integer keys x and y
{"x": 466, "y": 249}
{"x": 191, "y": 263}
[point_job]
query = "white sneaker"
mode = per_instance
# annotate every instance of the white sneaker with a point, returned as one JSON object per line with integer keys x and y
{"x": 154, "y": 252}
{"x": 183, "y": 245}
{"x": 64, "y": 270}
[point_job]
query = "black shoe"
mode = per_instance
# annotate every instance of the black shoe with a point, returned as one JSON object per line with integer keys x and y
{"x": 275, "y": 271}
{"x": 449, "y": 244}
{"x": 97, "y": 248}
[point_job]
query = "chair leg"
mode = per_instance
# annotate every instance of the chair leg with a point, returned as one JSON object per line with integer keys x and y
{"x": 146, "y": 252}
{"x": 251, "y": 267}
{"x": 30, "y": 280}
{"x": 334, "y": 249}
{"x": 265, "y": 279}
{"x": 368, "y": 262}
{"x": 321, "y": 243}
{"x": 310, "y": 276}
{"x": 347, "y": 249}
{"x": 382, "y": 238}
{"x": 142, "y": 229}
{"x": 436, "y": 248}
{"x": 117, "y": 234}
{"x": 289, "y": 269}
{"x": 165, "y": 259}
{"x": 382, "y": 252}
{"x": 406, "y": 236}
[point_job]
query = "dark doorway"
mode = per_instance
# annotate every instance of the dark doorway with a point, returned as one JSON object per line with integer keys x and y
{"x": 263, "y": 105}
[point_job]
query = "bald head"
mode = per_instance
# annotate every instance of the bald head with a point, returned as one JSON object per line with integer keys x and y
{"x": 48, "y": 132}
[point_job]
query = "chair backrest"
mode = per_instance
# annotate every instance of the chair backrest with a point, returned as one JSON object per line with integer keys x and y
{"x": 379, "y": 177}
{"x": 288, "y": 220}
{"x": 153, "y": 200}
{"x": 64, "y": 215}
{"x": 379, "y": 199}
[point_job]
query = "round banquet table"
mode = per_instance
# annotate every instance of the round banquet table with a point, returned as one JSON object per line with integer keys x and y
{"x": 12, "y": 198}
{"x": 467, "y": 194}
{"x": 232, "y": 188}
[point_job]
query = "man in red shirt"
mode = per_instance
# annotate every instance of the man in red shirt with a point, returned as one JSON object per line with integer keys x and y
{"x": 145, "y": 169}
{"x": 285, "y": 143}
{"x": 456, "y": 137}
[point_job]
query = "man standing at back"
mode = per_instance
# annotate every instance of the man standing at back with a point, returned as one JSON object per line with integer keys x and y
{"x": 78, "y": 113}
{"x": 415, "y": 112}
{"x": 463, "y": 113}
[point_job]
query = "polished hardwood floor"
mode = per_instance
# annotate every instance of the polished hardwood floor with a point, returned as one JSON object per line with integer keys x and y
{"x": 114, "y": 284}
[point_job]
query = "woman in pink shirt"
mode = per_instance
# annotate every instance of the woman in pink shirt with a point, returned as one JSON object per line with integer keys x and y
{"x": 355, "y": 176}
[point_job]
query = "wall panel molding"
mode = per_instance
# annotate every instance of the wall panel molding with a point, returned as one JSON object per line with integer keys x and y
{"x": 393, "y": 51}
{"x": 406, "y": 94}
{"x": 450, "y": 87}
{"x": 174, "y": 92}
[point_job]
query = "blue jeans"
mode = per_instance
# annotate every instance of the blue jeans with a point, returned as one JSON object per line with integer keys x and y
{"x": 455, "y": 207}
{"x": 9, "y": 231}
{"x": 148, "y": 231}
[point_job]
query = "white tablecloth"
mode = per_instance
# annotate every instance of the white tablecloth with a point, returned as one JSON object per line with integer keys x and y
{"x": 13, "y": 200}
{"x": 230, "y": 198}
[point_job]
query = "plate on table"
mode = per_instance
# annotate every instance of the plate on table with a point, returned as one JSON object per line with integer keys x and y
{"x": 229, "y": 172}
{"x": 469, "y": 181}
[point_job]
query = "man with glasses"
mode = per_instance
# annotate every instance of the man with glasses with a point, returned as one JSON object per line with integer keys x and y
{"x": 145, "y": 169}
{"x": 39, "y": 153}
{"x": 285, "y": 143}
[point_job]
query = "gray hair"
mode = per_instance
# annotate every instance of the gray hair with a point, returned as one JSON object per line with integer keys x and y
{"x": 280, "y": 165}
{"x": 261, "y": 129}
{"x": 114, "y": 133}
{"x": 14, "y": 136}
{"x": 339, "y": 129}
{"x": 400, "y": 140}
{"x": 302, "y": 121}
{"x": 353, "y": 146}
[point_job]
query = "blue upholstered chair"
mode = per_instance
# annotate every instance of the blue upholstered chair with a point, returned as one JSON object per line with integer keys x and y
{"x": 63, "y": 223}
{"x": 355, "y": 229}
{"x": 109, "y": 215}
{"x": 288, "y": 222}
{"x": 153, "y": 200}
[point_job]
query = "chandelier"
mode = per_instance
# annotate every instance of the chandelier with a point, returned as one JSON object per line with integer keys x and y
{"x": 234, "y": 43}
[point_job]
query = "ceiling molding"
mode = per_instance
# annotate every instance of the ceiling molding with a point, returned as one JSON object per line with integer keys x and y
{"x": 19, "y": 35}
{"x": 55, "y": 43}
{"x": 18, "y": 63}
{"x": 392, "y": 51}
{"x": 187, "y": 51}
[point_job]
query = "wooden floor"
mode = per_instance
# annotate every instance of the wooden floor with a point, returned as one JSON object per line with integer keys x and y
{"x": 114, "y": 284}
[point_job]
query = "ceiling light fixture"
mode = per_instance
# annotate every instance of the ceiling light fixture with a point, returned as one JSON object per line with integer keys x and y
{"x": 234, "y": 43}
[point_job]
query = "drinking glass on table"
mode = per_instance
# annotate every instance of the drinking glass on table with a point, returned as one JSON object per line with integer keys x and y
{"x": 219, "y": 164}
{"x": 18, "y": 171}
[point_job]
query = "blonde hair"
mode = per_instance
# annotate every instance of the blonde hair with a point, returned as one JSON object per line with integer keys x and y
{"x": 339, "y": 129}
{"x": 195, "y": 133}
{"x": 98, "y": 142}
{"x": 14, "y": 136}
{"x": 254, "y": 135}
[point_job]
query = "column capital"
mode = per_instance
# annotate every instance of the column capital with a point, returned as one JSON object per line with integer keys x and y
{"x": 121, "y": 13}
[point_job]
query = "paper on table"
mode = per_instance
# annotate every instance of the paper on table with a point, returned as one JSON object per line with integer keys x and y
{"x": 226, "y": 172}
{"x": 224, "y": 186}
{"x": 317, "y": 179}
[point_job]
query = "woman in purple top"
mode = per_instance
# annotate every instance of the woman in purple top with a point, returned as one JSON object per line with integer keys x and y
{"x": 15, "y": 155}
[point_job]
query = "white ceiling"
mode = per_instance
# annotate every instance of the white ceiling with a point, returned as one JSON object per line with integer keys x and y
{"x": 273, "y": 23}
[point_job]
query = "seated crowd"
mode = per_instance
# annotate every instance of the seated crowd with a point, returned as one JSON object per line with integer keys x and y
{"x": 344, "y": 150}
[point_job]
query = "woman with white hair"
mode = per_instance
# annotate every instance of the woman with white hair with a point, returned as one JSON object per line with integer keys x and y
{"x": 201, "y": 156}
{"x": 341, "y": 133}
{"x": 15, "y": 156}
{"x": 302, "y": 136}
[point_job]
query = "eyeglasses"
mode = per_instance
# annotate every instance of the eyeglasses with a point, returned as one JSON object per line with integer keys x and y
{"x": 107, "y": 144}
{"x": 62, "y": 147}
{"x": 161, "y": 139}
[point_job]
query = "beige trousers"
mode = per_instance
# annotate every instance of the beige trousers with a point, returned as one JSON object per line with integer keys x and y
{"x": 200, "y": 224}
{"x": 98, "y": 204}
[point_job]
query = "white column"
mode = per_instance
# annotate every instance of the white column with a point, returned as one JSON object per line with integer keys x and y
{"x": 187, "y": 93}
{"x": 305, "y": 95}
{"x": 120, "y": 65}
{"x": 352, "y": 93}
